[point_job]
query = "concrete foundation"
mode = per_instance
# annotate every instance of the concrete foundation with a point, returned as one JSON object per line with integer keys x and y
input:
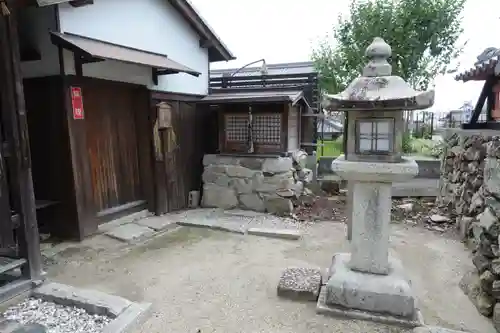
{"x": 382, "y": 298}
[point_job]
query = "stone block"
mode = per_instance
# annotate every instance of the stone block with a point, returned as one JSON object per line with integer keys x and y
{"x": 464, "y": 226}
{"x": 131, "y": 318}
{"x": 471, "y": 286}
{"x": 496, "y": 316}
{"x": 277, "y": 165}
{"x": 215, "y": 178}
{"x": 239, "y": 171}
{"x": 94, "y": 302}
{"x": 292, "y": 234}
{"x": 486, "y": 281}
{"x": 492, "y": 175}
{"x": 495, "y": 266}
{"x": 219, "y": 196}
{"x": 252, "y": 201}
{"x": 209, "y": 159}
{"x": 278, "y": 206}
{"x": 299, "y": 283}
{"x": 252, "y": 163}
{"x": 241, "y": 186}
{"x": 389, "y": 294}
{"x": 481, "y": 262}
{"x": 495, "y": 290}
{"x": 489, "y": 223}
{"x": 130, "y": 233}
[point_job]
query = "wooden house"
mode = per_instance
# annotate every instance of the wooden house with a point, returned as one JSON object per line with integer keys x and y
{"x": 111, "y": 107}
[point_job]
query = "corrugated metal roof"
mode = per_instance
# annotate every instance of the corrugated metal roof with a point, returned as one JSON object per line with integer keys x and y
{"x": 487, "y": 64}
{"x": 100, "y": 49}
{"x": 255, "y": 96}
{"x": 272, "y": 69}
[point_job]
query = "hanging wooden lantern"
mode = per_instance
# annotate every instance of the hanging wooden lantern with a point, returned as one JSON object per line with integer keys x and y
{"x": 164, "y": 115}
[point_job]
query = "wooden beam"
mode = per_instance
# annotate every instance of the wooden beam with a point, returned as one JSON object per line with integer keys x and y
{"x": 14, "y": 118}
{"x": 487, "y": 88}
{"x": 81, "y": 3}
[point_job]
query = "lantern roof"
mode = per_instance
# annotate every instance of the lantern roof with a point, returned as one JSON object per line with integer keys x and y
{"x": 377, "y": 89}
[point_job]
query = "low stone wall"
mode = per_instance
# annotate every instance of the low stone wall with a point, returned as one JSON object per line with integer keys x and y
{"x": 470, "y": 192}
{"x": 252, "y": 183}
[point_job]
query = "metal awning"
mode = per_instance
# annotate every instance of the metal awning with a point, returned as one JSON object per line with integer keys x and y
{"x": 293, "y": 97}
{"x": 91, "y": 50}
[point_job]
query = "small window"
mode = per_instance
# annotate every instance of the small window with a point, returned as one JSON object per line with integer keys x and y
{"x": 374, "y": 136}
{"x": 267, "y": 129}
{"x": 265, "y": 135}
{"x": 236, "y": 127}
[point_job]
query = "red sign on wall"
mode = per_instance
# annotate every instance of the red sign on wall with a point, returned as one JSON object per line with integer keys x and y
{"x": 77, "y": 103}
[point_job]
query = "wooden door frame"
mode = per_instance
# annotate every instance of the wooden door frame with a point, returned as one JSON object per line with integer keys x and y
{"x": 16, "y": 133}
{"x": 88, "y": 217}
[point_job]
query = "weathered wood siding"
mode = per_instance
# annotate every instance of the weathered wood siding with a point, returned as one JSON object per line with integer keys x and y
{"x": 110, "y": 151}
{"x": 183, "y": 149}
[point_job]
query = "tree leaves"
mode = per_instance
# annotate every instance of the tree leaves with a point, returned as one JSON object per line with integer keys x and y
{"x": 423, "y": 35}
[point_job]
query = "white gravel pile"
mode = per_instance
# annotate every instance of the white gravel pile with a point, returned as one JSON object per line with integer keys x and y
{"x": 56, "y": 318}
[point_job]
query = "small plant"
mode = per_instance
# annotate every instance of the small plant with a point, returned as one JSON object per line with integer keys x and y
{"x": 407, "y": 143}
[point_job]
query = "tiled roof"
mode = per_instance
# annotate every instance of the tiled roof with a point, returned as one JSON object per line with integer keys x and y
{"x": 487, "y": 64}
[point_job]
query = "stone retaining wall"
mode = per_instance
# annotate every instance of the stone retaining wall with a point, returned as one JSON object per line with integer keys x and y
{"x": 252, "y": 183}
{"x": 470, "y": 192}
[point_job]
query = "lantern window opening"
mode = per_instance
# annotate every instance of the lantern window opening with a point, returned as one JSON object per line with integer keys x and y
{"x": 375, "y": 136}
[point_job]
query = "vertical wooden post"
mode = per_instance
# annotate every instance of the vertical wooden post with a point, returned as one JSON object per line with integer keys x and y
{"x": 14, "y": 115}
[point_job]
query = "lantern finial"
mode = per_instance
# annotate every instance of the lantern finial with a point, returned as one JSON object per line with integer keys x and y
{"x": 378, "y": 52}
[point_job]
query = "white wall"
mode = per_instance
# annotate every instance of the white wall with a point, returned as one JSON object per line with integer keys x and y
{"x": 150, "y": 25}
{"x": 37, "y": 22}
{"x": 293, "y": 129}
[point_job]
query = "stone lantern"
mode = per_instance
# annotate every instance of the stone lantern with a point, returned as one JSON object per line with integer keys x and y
{"x": 367, "y": 283}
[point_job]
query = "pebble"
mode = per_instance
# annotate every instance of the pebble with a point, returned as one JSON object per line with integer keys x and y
{"x": 439, "y": 218}
{"x": 55, "y": 317}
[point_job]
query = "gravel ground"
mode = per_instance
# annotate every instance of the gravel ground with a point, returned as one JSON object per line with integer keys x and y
{"x": 212, "y": 281}
{"x": 56, "y": 318}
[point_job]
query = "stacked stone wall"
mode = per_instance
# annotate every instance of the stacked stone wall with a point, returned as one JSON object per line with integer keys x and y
{"x": 252, "y": 183}
{"x": 470, "y": 192}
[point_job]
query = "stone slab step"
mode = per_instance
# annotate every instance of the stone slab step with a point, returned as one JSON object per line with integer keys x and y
{"x": 434, "y": 329}
{"x": 158, "y": 223}
{"x": 130, "y": 233}
{"x": 93, "y": 301}
{"x": 103, "y": 228}
{"x": 275, "y": 233}
{"x": 9, "y": 264}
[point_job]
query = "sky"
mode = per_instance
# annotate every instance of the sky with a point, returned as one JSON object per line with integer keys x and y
{"x": 287, "y": 31}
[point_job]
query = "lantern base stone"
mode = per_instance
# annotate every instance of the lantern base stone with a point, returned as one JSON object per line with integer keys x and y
{"x": 380, "y": 298}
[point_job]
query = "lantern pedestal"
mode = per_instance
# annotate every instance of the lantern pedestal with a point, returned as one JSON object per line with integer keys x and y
{"x": 386, "y": 299}
{"x": 367, "y": 280}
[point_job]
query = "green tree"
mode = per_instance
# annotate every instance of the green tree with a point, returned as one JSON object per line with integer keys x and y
{"x": 423, "y": 35}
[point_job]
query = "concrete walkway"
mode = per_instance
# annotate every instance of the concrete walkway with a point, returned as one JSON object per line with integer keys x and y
{"x": 225, "y": 282}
